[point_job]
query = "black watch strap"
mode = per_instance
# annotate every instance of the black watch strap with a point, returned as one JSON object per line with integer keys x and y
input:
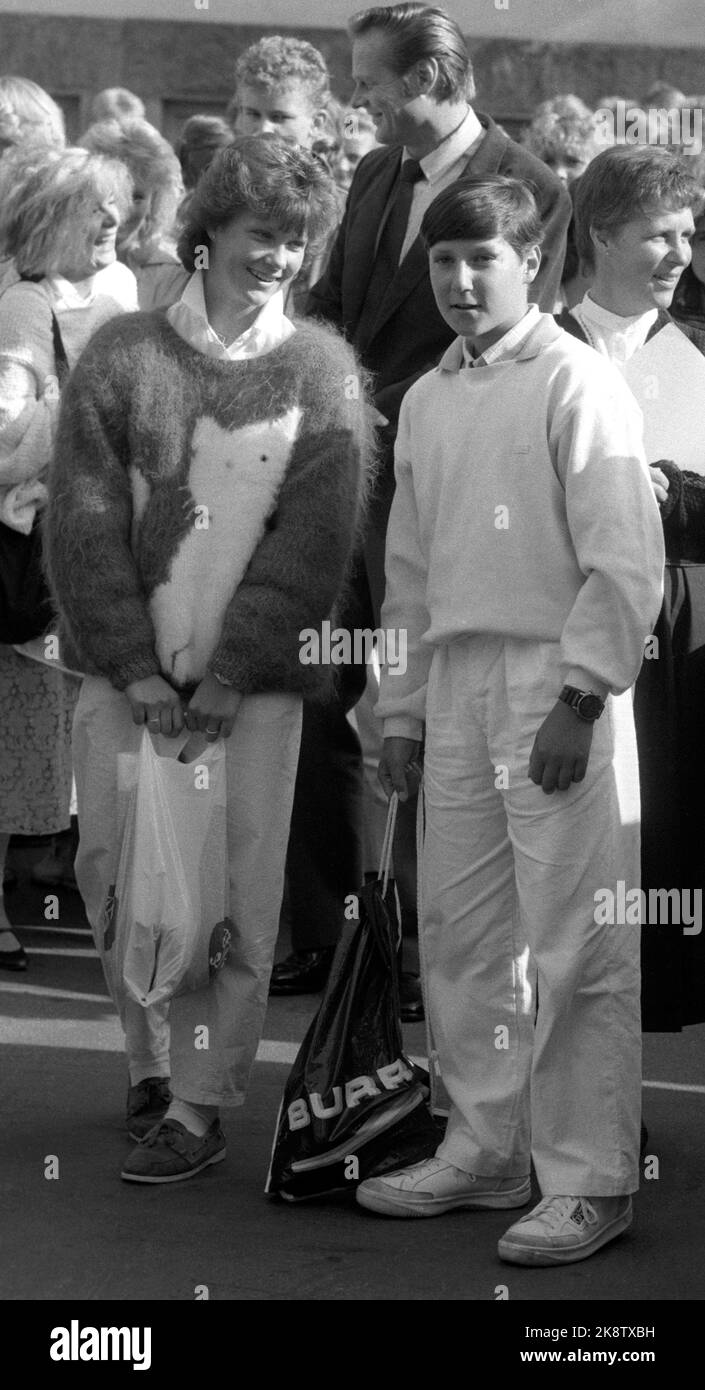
{"x": 586, "y": 704}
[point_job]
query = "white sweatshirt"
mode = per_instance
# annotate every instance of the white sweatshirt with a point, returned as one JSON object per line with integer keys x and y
{"x": 523, "y": 507}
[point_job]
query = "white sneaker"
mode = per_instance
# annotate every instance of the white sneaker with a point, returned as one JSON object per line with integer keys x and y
{"x": 434, "y": 1186}
{"x": 563, "y": 1229}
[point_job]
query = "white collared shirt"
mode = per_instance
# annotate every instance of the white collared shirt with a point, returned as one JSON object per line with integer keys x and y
{"x": 114, "y": 280}
{"x": 188, "y": 318}
{"x": 615, "y": 336}
{"x": 441, "y": 167}
{"x": 508, "y": 345}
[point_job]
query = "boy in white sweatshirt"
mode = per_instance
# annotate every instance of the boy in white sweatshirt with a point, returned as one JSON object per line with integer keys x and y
{"x": 524, "y": 560}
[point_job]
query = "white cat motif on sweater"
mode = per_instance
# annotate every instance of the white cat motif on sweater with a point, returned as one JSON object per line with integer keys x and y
{"x": 234, "y": 480}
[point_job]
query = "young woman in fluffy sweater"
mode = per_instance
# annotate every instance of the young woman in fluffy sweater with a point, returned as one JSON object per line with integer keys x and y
{"x": 219, "y": 407}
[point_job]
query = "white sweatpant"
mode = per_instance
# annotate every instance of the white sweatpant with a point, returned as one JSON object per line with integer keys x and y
{"x": 261, "y": 760}
{"x": 509, "y": 877}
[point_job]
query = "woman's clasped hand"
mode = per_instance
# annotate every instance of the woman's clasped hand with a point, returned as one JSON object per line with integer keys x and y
{"x": 211, "y": 709}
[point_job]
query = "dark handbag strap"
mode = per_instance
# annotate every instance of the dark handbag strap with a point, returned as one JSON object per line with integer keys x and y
{"x": 62, "y": 362}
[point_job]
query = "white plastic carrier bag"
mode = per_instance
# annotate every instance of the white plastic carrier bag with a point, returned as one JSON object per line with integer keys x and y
{"x": 168, "y": 930}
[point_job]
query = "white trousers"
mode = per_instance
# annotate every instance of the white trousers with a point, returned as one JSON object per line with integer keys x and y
{"x": 261, "y": 759}
{"x": 509, "y": 878}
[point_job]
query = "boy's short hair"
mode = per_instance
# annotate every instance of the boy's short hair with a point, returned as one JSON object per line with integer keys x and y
{"x": 260, "y": 174}
{"x": 277, "y": 61}
{"x": 481, "y": 208}
{"x": 626, "y": 181}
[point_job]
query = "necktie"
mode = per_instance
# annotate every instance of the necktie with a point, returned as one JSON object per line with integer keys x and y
{"x": 391, "y": 239}
{"x": 394, "y": 230}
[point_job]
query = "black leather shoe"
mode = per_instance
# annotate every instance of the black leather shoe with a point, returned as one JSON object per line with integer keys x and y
{"x": 411, "y": 998}
{"x": 13, "y": 960}
{"x": 303, "y": 972}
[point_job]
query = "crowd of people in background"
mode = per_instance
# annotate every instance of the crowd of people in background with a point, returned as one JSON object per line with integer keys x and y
{"x": 93, "y": 232}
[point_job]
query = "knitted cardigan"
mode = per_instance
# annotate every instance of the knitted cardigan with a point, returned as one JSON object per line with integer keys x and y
{"x": 683, "y": 512}
{"x": 28, "y": 373}
{"x": 203, "y": 512}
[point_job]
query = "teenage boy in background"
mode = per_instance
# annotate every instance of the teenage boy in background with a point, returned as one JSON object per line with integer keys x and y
{"x": 524, "y": 559}
{"x": 281, "y": 88}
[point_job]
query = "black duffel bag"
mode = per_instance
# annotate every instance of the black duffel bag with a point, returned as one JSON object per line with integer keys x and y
{"x": 354, "y": 1104}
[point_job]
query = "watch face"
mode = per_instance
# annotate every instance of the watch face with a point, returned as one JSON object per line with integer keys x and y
{"x": 590, "y": 707}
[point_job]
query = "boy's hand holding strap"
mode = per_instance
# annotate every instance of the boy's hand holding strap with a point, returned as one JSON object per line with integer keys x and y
{"x": 400, "y": 769}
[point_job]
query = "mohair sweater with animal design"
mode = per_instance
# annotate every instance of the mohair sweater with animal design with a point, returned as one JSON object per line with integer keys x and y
{"x": 203, "y": 512}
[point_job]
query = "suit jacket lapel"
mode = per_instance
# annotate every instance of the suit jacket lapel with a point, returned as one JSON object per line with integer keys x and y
{"x": 412, "y": 269}
{"x": 484, "y": 160}
{"x": 487, "y": 158}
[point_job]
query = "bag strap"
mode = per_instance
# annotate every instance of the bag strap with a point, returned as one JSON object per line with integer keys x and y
{"x": 385, "y": 860}
{"x": 62, "y": 362}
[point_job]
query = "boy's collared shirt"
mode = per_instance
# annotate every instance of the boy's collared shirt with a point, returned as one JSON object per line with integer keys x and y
{"x": 506, "y": 347}
{"x": 188, "y": 318}
{"x": 440, "y": 168}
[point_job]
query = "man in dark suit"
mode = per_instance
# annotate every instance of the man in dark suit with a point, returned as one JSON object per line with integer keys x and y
{"x": 413, "y": 75}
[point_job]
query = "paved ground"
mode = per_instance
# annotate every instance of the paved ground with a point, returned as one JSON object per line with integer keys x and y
{"x": 86, "y": 1235}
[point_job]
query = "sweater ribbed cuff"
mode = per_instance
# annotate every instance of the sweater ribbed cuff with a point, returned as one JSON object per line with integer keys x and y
{"x": 585, "y": 680}
{"x": 403, "y": 726}
{"x": 135, "y": 670}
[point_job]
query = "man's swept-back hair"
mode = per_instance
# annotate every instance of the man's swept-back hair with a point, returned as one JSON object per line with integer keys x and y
{"x": 263, "y": 175}
{"x": 481, "y": 208}
{"x": 420, "y": 31}
{"x": 625, "y": 181}
{"x": 277, "y": 60}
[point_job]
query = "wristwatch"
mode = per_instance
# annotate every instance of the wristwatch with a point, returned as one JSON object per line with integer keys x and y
{"x": 586, "y": 705}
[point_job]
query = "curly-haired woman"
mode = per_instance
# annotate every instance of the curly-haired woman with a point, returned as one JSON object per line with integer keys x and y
{"x": 59, "y": 214}
{"x": 146, "y": 239}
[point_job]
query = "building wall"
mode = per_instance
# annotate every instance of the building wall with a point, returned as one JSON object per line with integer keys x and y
{"x": 179, "y": 68}
{"x": 661, "y": 23}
